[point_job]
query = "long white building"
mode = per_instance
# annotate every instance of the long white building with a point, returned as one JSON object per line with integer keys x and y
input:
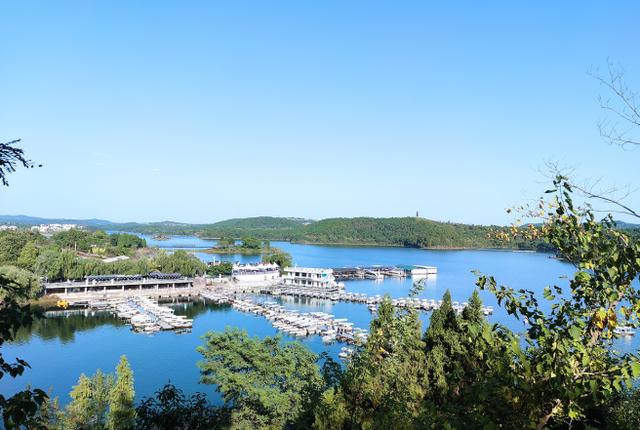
{"x": 309, "y": 277}
{"x": 255, "y": 272}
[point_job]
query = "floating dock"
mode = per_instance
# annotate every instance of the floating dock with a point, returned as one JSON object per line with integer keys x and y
{"x": 144, "y": 314}
{"x": 382, "y": 272}
{"x": 295, "y": 323}
{"x": 372, "y": 301}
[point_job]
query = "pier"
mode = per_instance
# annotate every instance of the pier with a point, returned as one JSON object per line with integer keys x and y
{"x": 372, "y": 301}
{"x": 294, "y": 323}
{"x": 382, "y": 272}
{"x": 144, "y": 314}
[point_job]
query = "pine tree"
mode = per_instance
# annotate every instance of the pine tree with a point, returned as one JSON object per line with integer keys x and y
{"x": 102, "y": 386}
{"x": 122, "y": 414}
{"x": 472, "y": 313}
{"x": 80, "y": 413}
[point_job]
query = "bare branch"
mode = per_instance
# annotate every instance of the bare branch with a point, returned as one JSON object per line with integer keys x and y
{"x": 623, "y": 104}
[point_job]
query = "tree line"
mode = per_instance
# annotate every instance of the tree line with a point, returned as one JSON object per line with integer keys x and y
{"x": 25, "y": 257}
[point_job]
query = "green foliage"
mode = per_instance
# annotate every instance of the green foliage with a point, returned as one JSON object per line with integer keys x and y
{"x": 567, "y": 368}
{"x": 250, "y": 243}
{"x": 89, "y": 402}
{"x": 269, "y": 383}
{"x": 101, "y": 401}
{"x": 13, "y": 241}
{"x": 385, "y": 383}
{"x": 122, "y": 414}
{"x": 225, "y": 268}
{"x": 24, "y": 405}
{"x": 225, "y": 242}
{"x": 179, "y": 262}
{"x": 28, "y": 283}
{"x": 408, "y": 232}
{"x": 28, "y": 256}
{"x": 624, "y": 413}
{"x": 98, "y": 242}
{"x": 170, "y": 409}
{"x": 281, "y": 258}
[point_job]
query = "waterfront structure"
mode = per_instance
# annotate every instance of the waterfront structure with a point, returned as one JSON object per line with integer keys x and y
{"x": 311, "y": 278}
{"x": 105, "y": 284}
{"x": 424, "y": 271}
{"x": 255, "y": 272}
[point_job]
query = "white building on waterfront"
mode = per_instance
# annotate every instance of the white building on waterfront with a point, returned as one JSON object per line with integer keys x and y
{"x": 255, "y": 272}
{"x": 309, "y": 277}
{"x": 422, "y": 271}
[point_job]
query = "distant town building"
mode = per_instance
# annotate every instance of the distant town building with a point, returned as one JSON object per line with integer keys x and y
{"x": 54, "y": 228}
{"x": 309, "y": 277}
{"x": 5, "y": 227}
{"x": 255, "y": 272}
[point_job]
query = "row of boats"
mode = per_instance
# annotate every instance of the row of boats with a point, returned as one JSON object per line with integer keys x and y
{"x": 294, "y": 323}
{"x": 146, "y": 315}
{"x": 372, "y": 301}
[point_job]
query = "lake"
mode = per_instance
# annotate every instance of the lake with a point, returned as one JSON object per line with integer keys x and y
{"x": 60, "y": 348}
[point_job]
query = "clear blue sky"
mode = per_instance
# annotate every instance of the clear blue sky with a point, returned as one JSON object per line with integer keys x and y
{"x": 202, "y": 111}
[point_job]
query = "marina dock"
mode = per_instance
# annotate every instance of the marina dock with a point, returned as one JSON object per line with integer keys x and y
{"x": 372, "y": 301}
{"x": 382, "y": 272}
{"x": 144, "y": 314}
{"x": 294, "y": 323}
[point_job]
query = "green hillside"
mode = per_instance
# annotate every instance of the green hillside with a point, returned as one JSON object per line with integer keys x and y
{"x": 408, "y": 232}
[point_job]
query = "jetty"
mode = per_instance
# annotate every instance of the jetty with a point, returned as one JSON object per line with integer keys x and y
{"x": 144, "y": 314}
{"x": 294, "y": 323}
{"x": 372, "y": 301}
{"x": 382, "y": 272}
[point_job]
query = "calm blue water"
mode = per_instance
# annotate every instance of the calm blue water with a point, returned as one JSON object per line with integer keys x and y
{"x": 59, "y": 349}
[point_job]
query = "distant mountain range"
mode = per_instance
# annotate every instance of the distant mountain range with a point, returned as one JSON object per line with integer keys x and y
{"x": 405, "y": 231}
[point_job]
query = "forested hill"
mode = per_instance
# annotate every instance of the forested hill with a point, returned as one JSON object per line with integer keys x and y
{"x": 409, "y": 232}
{"x": 406, "y": 231}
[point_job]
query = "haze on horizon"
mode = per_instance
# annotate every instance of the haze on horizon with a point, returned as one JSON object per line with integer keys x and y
{"x": 204, "y": 112}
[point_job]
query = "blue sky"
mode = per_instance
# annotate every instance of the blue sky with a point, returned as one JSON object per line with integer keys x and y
{"x": 202, "y": 111}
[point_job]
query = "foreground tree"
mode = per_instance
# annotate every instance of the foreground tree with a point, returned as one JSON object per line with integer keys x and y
{"x": 568, "y": 370}
{"x": 122, "y": 414}
{"x": 170, "y": 409}
{"x": 14, "y": 313}
{"x": 267, "y": 383}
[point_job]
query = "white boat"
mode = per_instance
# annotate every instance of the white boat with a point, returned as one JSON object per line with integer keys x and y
{"x": 624, "y": 330}
{"x": 345, "y": 353}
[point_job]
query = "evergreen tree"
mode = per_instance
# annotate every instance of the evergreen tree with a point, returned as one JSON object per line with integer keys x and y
{"x": 80, "y": 414}
{"x": 102, "y": 385}
{"x": 122, "y": 414}
{"x": 384, "y": 383}
{"x": 28, "y": 255}
{"x": 472, "y": 313}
